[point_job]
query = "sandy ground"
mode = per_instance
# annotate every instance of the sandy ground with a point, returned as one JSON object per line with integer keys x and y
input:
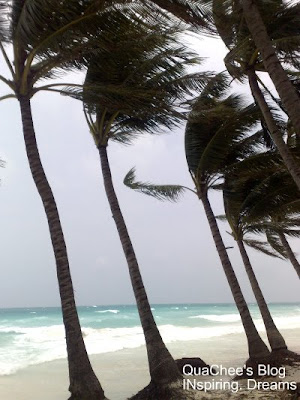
{"x": 124, "y": 373}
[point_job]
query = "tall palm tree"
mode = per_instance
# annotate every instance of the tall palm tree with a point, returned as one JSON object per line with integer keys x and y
{"x": 257, "y": 14}
{"x": 135, "y": 86}
{"x": 238, "y": 214}
{"x": 277, "y": 231}
{"x": 289, "y": 251}
{"x": 275, "y": 130}
{"x": 215, "y": 125}
{"x": 267, "y": 201}
{"x": 253, "y": 12}
{"x": 47, "y": 38}
{"x": 244, "y": 59}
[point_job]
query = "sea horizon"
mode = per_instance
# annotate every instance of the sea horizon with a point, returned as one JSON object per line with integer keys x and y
{"x": 151, "y": 304}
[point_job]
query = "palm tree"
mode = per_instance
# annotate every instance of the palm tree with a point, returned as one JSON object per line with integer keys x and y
{"x": 214, "y": 127}
{"x": 46, "y": 38}
{"x": 135, "y": 86}
{"x": 267, "y": 201}
{"x": 238, "y": 214}
{"x": 275, "y": 131}
{"x": 289, "y": 252}
{"x": 253, "y": 13}
{"x": 244, "y": 59}
{"x": 276, "y": 230}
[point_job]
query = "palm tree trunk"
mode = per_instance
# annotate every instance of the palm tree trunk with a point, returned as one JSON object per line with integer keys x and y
{"x": 284, "y": 87}
{"x": 162, "y": 366}
{"x": 276, "y": 135}
{"x": 274, "y": 336}
{"x": 257, "y": 348}
{"x": 83, "y": 381}
{"x": 290, "y": 252}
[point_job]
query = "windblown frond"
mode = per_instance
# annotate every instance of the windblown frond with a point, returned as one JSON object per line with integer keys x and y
{"x": 263, "y": 247}
{"x": 256, "y": 201}
{"x": 275, "y": 243}
{"x": 4, "y": 22}
{"x": 197, "y": 14}
{"x": 160, "y": 192}
{"x": 282, "y": 20}
{"x": 137, "y": 83}
{"x": 216, "y": 126}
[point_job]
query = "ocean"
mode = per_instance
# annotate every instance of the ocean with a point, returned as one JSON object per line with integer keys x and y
{"x": 32, "y": 336}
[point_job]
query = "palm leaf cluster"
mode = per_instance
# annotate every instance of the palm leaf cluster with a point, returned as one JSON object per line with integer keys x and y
{"x": 282, "y": 20}
{"x": 138, "y": 83}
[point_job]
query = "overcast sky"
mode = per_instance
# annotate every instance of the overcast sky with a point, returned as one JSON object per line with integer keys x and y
{"x": 173, "y": 243}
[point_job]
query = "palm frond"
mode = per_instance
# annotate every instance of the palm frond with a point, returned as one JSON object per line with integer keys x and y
{"x": 216, "y": 125}
{"x": 141, "y": 76}
{"x": 4, "y": 21}
{"x": 262, "y": 247}
{"x": 161, "y": 192}
{"x": 194, "y": 13}
{"x": 275, "y": 243}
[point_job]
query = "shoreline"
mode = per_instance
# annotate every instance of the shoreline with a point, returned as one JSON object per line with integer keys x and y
{"x": 124, "y": 372}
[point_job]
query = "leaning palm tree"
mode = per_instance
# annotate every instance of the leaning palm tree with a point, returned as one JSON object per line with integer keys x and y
{"x": 241, "y": 221}
{"x": 256, "y": 14}
{"x": 48, "y": 38}
{"x": 135, "y": 86}
{"x": 253, "y": 13}
{"x": 267, "y": 201}
{"x": 215, "y": 127}
{"x": 244, "y": 59}
{"x": 282, "y": 222}
{"x": 277, "y": 231}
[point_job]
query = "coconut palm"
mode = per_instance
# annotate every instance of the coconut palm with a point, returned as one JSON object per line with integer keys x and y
{"x": 135, "y": 86}
{"x": 244, "y": 59}
{"x": 277, "y": 231}
{"x": 257, "y": 16}
{"x": 253, "y": 12}
{"x": 238, "y": 214}
{"x": 216, "y": 127}
{"x": 277, "y": 194}
{"x": 276, "y": 132}
{"x": 48, "y": 38}
{"x": 271, "y": 199}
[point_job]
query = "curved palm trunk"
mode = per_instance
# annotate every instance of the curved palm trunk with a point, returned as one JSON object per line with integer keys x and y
{"x": 283, "y": 85}
{"x": 283, "y": 149}
{"x": 162, "y": 366}
{"x": 274, "y": 336}
{"x": 290, "y": 252}
{"x": 257, "y": 348}
{"x": 83, "y": 381}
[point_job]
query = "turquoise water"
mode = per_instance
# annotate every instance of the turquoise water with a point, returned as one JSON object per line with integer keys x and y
{"x": 31, "y": 336}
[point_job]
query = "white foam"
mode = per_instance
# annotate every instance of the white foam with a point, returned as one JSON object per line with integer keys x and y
{"x": 37, "y": 345}
{"x": 108, "y": 311}
{"x": 42, "y": 344}
{"x": 219, "y": 318}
